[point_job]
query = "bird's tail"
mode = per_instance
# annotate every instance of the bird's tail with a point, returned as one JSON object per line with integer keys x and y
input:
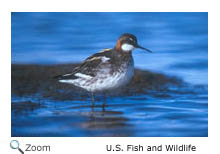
{"x": 65, "y": 76}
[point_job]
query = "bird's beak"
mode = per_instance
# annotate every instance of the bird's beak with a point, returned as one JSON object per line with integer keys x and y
{"x": 137, "y": 46}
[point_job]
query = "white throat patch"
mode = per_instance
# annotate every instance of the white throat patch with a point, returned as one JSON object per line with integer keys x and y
{"x": 127, "y": 47}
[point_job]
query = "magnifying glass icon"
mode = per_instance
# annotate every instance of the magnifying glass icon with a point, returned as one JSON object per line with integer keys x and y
{"x": 15, "y": 145}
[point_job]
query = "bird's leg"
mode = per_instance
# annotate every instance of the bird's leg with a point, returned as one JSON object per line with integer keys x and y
{"x": 104, "y": 103}
{"x": 93, "y": 100}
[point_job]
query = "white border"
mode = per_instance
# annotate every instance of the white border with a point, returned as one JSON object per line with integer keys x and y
{"x": 97, "y": 145}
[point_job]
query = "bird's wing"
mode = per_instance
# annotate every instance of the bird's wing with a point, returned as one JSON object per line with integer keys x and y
{"x": 89, "y": 67}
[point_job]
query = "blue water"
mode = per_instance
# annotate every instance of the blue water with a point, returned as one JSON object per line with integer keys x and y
{"x": 179, "y": 42}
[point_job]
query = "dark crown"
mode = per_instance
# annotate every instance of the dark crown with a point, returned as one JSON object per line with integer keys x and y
{"x": 128, "y": 38}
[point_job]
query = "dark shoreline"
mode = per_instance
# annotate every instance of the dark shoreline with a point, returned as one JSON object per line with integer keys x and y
{"x": 29, "y": 79}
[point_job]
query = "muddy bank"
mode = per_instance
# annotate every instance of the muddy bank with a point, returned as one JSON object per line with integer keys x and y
{"x": 38, "y": 80}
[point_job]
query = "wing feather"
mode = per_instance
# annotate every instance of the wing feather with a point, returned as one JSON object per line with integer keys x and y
{"x": 89, "y": 66}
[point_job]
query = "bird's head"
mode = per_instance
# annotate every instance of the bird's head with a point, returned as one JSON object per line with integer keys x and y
{"x": 127, "y": 43}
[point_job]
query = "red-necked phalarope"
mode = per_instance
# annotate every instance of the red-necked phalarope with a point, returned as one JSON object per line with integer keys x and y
{"x": 108, "y": 69}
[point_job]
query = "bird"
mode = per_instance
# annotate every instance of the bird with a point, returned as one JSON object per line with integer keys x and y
{"x": 108, "y": 69}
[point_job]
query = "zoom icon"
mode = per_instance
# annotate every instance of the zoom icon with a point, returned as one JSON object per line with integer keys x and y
{"x": 15, "y": 145}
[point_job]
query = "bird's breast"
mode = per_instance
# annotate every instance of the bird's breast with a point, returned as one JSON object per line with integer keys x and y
{"x": 112, "y": 80}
